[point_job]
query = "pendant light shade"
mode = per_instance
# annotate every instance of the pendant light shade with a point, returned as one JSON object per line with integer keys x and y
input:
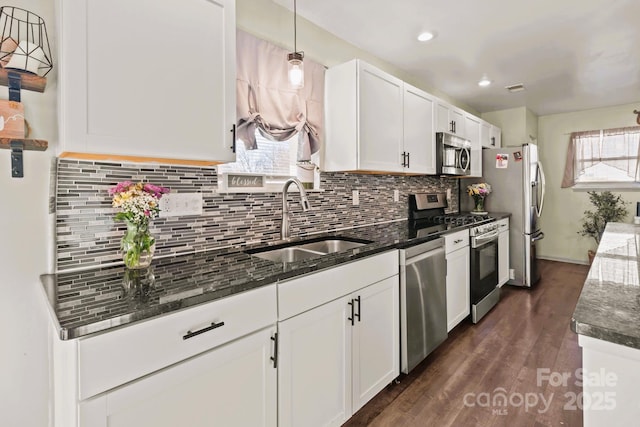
{"x": 295, "y": 67}
{"x": 296, "y": 70}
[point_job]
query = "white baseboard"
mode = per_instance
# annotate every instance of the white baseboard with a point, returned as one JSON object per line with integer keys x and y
{"x": 559, "y": 259}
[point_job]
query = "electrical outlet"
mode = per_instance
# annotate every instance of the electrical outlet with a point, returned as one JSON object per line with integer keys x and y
{"x": 448, "y": 194}
{"x": 356, "y": 197}
{"x": 396, "y": 195}
{"x": 180, "y": 204}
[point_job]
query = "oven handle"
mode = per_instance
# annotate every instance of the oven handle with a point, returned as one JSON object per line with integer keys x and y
{"x": 487, "y": 237}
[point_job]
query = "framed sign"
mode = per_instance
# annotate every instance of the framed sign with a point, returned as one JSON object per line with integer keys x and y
{"x": 243, "y": 181}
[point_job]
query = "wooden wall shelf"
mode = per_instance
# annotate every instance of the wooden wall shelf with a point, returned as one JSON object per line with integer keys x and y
{"x": 29, "y": 144}
{"x": 29, "y": 81}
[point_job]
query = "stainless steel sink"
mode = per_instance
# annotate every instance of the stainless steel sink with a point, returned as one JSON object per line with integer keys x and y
{"x": 289, "y": 254}
{"x": 306, "y": 249}
{"x": 330, "y": 246}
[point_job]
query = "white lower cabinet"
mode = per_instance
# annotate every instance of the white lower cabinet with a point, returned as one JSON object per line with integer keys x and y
{"x": 330, "y": 366}
{"x": 503, "y": 251}
{"x": 335, "y": 357}
{"x": 458, "y": 278}
{"x": 309, "y": 351}
{"x": 233, "y": 385}
{"x": 208, "y": 365}
{"x": 314, "y": 372}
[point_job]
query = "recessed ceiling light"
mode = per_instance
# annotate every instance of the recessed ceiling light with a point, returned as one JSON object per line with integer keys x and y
{"x": 484, "y": 81}
{"x": 426, "y": 36}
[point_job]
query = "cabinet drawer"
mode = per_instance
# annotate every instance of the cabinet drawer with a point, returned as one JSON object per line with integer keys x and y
{"x": 503, "y": 224}
{"x": 307, "y": 292}
{"x": 114, "y": 358}
{"x": 456, "y": 240}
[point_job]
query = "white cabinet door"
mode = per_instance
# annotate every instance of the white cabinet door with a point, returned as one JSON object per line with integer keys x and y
{"x": 449, "y": 119}
{"x": 232, "y": 385}
{"x": 485, "y": 134}
{"x": 496, "y": 137}
{"x": 458, "y": 282}
{"x": 459, "y": 125}
{"x": 472, "y": 132}
{"x": 380, "y": 122}
{"x": 148, "y": 80}
{"x": 375, "y": 340}
{"x": 314, "y": 366}
{"x": 419, "y": 132}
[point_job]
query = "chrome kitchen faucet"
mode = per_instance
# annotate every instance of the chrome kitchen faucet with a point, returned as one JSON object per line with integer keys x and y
{"x": 304, "y": 202}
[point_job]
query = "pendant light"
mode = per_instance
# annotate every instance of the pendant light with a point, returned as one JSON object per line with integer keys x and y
{"x": 295, "y": 66}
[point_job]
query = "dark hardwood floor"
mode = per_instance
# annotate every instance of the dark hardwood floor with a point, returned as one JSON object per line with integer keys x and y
{"x": 517, "y": 367}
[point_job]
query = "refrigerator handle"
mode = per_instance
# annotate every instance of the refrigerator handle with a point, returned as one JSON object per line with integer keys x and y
{"x": 542, "y": 182}
{"x": 538, "y": 236}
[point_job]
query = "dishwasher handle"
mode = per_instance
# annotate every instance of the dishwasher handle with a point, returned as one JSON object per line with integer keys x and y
{"x": 423, "y": 255}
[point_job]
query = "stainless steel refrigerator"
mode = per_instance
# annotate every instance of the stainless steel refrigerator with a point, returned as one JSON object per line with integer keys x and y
{"x": 517, "y": 182}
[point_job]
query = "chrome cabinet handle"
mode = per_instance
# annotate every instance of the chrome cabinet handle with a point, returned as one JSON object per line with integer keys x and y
{"x": 203, "y": 330}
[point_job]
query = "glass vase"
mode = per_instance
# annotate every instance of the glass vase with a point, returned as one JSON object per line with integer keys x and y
{"x": 479, "y": 203}
{"x": 137, "y": 246}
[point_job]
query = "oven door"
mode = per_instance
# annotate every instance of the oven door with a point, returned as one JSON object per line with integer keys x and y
{"x": 484, "y": 275}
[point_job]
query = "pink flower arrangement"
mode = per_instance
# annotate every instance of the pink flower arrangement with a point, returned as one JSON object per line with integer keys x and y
{"x": 139, "y": 202}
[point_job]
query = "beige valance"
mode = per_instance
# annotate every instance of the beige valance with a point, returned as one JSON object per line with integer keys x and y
{"x": 618, "y": 148}
{"x": 266, "y": 102}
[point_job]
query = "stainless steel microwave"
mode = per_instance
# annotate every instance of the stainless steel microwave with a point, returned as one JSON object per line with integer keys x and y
{"x": 453, "y": 154}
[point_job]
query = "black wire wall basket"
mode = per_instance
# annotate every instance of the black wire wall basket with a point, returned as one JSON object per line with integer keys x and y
{"x": 24, "y": 45}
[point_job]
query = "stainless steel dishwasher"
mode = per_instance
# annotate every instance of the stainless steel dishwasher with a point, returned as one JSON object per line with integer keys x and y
{"x": 423, "y": 301}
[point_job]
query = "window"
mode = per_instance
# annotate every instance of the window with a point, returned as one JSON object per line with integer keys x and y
{"x": 603, "y": 158}
{"x": 279, "y": 128}
{"x": 272, "y": 158}
{"x": 275, "y": 159}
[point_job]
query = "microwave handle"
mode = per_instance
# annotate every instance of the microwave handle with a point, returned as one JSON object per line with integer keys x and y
{"x": 466, "y": 167}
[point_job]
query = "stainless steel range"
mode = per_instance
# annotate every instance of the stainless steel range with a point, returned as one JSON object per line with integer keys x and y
{"x": 427, "y": 216}
{"x": 485, "y": 292}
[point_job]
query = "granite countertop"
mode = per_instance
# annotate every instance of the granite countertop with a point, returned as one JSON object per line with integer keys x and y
{"x": 88, "y": 301}
{"x": 609, "y": 305}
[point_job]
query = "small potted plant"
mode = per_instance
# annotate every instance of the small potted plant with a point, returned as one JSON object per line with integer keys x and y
{"x": 608, "y": 208}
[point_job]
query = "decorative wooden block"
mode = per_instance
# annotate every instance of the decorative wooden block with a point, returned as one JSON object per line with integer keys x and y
{"x": 242, "y": 181}
{"x": 11, "y": 119}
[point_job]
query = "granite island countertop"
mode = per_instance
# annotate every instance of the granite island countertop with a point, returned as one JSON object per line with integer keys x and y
{"x": 87, "y": 301}
{"x": 609, "y": 306}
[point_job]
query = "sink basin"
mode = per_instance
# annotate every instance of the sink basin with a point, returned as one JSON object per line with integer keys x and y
{"x": 289, "y": 254}
{"x": 330, "y": 246}
{"x": 306, "y": 249}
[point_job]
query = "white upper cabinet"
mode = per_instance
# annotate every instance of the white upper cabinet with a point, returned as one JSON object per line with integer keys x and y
{"x": 363, "y": 114}
{"x": 496, "y": 137}
{"x": 472, "y": 133}
{"x": 148, "y": 79}
{"x": 380, "y": 107}
{"x": 489, "y": 135}
{"x": 376, "y": 122}
{"x": 419, "y": 132}
{"x": 450, "y": 119}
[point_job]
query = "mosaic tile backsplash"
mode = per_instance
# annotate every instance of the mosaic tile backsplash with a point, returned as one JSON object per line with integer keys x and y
{"x": 87, "y": 235}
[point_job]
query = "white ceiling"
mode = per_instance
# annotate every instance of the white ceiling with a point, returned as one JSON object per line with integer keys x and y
{"x": 571, "y": 55}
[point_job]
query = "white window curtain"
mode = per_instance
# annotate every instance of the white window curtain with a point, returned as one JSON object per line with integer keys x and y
{"x": 266, "y": 102}
{"x": 618, "y": 148}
